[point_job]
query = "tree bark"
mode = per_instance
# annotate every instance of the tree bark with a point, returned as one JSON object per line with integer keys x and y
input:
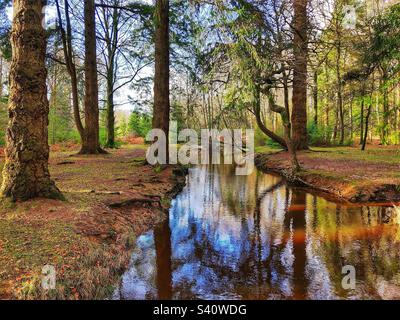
{"x": 315, "y": 97}
{"x": 340, "y": 89}
{"x": 300, "y": 47}
{"x": 386, "y": 111}
{"x": 66, "y": 36}
{"x": 161, "y": 77}
{"x": 286, "y": 125}
{"x": 90, "y": 143}
{"x": 367, "y": 126}
{"x": 26, "y": 174}
{"x": 111, "y": 38}
{"x": 1, "y": 75}
{"x": 260, "y": 122}
{"x": 362, "y": 120}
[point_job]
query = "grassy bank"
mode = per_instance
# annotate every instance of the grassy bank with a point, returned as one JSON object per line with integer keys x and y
{"x": 345, "y": 172}
{"x": 110, "y": 200}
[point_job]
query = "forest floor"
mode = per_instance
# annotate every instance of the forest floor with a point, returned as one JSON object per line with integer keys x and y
{"x": 347, "y": 173}
{"x": 110, "y": 200}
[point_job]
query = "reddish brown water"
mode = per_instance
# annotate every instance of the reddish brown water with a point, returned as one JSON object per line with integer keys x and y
{"x": 232, "y": 237}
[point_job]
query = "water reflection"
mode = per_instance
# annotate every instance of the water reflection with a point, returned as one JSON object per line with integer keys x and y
{"x": 235, "y": 237}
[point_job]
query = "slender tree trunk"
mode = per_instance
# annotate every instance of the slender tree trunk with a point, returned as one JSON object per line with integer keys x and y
{"x": 91, "y": 144}
{"x": 362, "y": 121}
{"x": 351, "y": 120}
{"x": 386, "y": 111}
{"x": 110, "y": 111}
{"x": 340, "y": 97}
{"x": 111, "y": 38}
{"x": 299, "y": 112}
{"x": 1, "y": 75}
{"x": 260, "y": 122}
{"x": 283, "y": 111}
{"x": 315, "y": 97}
{"x": 66, "y": 36}
{"x": 366, "y": 126}
{"x": 26, "y": 174}
{"x": 161, "y": 76}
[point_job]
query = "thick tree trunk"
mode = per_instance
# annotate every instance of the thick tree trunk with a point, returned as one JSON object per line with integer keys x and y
{"x": 90, "y": 143}
{"x": 26, "y": 174}
{"x": 300, "y": 47}
{"x": 161, "y": 77}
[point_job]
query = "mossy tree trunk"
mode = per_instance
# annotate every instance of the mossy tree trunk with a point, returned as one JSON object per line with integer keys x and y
{"x": 26, "y": 174}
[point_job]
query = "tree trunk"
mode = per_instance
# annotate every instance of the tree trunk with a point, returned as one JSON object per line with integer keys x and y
{"x": 366, "y": 126}
{"x": 90, "y": 143}
{"x": 110, "y": 113}
{"x": 340, "y": 95}
{"x": 260, "y": 122}
{"x": 315, "y": 97}
{"x": 161, "y": 77}
{"x": 66, "y": 37}
{"x": 362, "y": 121}
{"x": 283, "y": 111}
{"x": 386, "y": 111}
{"x": 300, "y": 47}
{"x": 112, "y": 44}
{"x": 1, "y": 75}
{"x": 26, "y": 174}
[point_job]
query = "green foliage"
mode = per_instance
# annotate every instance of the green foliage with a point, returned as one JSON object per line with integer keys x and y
{"x": 385, "y": 45}
{"x": 319, "y": 135}
{"x": 140, "y": 123}
{"x": 178, "y": 115}
{"x": 61, "y": 128}
{"x": 260, "y": 139}
{"x": 123, "y": 129}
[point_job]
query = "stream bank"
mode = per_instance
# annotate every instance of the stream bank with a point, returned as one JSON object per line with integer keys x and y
{"x": 110, "y": 201}
{"x": 345, "y": 174}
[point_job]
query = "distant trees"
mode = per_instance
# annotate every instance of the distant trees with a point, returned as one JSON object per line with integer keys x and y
{"x": 139, "y": 123}
{"x": 25, "y": 173}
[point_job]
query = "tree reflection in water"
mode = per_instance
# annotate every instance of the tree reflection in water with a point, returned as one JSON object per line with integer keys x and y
{"x": 235, "y": 237}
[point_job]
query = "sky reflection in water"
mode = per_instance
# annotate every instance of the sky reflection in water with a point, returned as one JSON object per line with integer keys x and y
{"x": 232, "y": 237}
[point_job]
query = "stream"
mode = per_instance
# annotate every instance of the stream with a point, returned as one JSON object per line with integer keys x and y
{"x": 254, "y": 237}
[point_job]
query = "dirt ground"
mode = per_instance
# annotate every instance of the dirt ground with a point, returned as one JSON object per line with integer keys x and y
{"x": 345, "y": 172}
{"x": 110, "y": 200}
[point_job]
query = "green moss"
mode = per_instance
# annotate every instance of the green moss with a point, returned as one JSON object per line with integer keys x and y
{"x": 266, "y": 149}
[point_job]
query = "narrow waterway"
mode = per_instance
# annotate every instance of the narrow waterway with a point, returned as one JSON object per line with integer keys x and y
{"x": 236, "y": 237}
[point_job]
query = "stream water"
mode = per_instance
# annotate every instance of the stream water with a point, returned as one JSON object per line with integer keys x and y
{"x": 253, "y": 237}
